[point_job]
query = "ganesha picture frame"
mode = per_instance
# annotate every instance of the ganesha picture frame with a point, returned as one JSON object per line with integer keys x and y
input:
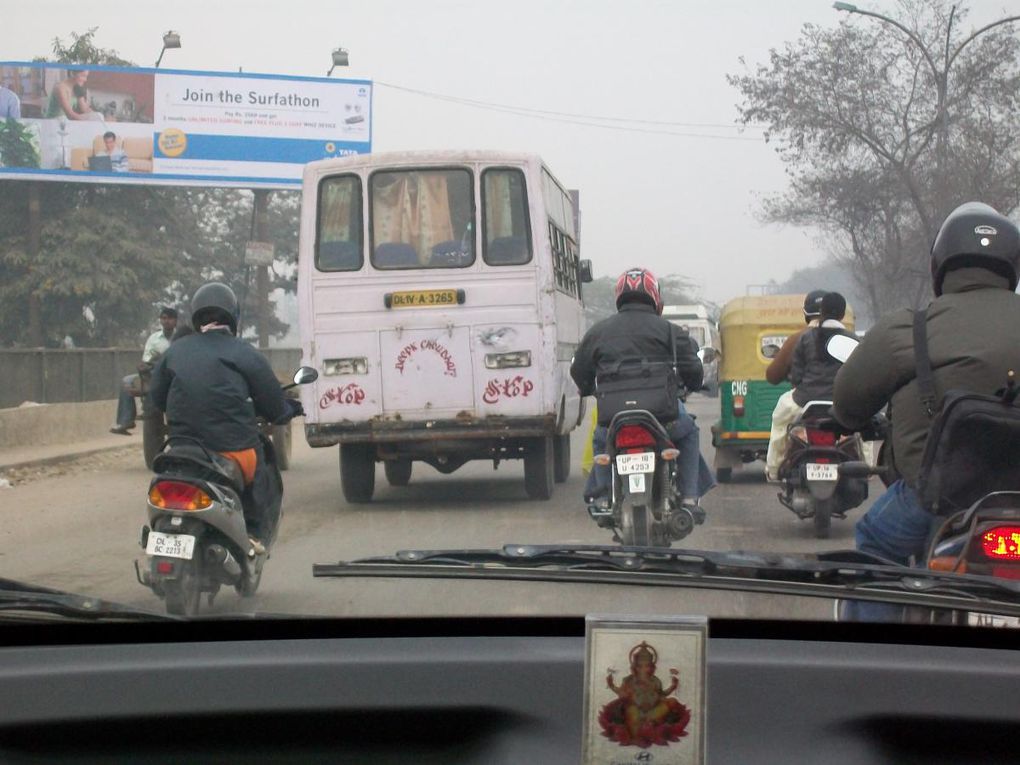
{"x": 645, "y": 690}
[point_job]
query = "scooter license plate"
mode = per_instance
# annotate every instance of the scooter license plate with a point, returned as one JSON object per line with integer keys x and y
{"x": 819, "y": 472}
{"x": 644, "y": 462}
{"x": 171, "y": 545}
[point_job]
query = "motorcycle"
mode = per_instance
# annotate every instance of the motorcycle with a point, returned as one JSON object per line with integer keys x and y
{"x": 644, "y": 507}
{"x": 197, "y": 540}
{"x": 813, "y": 485}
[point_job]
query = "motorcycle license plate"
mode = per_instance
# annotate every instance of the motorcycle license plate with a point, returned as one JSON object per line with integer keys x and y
{"x": 819, "y": 472}
{"x": 635, "y": 463}
{"x": 171, "y": 545}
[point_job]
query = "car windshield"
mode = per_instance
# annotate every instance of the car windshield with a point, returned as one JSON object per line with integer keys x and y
{"x": 471, "y": 226}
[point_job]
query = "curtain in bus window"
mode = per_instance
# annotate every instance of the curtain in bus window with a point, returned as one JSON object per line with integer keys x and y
{"x": 336, "y": 212}
{"x": 413, "y": 208}
{"x": 499, "y": 219}
{"x": 339, "y": 226}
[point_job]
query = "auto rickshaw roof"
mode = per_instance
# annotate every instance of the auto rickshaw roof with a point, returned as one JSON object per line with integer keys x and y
{"x": 769, "y": 310}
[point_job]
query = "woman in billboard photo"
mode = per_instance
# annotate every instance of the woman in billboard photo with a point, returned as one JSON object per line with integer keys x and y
{"x": 70, "y": 98}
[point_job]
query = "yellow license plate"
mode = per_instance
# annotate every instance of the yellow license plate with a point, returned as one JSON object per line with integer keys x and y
{"x": 423, "y": 299}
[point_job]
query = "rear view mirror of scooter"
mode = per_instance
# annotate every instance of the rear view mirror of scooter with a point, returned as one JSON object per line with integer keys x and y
{"x": 304, "y": 376}
{"x": 840, "y": 347}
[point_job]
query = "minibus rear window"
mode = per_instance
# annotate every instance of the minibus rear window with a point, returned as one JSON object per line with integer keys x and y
{"x": 338, "y": 237}
{"x": 422, "y": 219}
{"x": 505, "y": 227}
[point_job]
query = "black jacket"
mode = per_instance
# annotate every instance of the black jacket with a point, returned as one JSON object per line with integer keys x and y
{"x": 972, "y": 343}
{"x": 636, "y": 332}
{"x": 813, "y": 371}
{"x": 211, "y": 385}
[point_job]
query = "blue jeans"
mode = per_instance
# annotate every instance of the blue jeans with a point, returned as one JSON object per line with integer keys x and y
{"x": 897, "y": 528}
{"x": 696, "y": 478}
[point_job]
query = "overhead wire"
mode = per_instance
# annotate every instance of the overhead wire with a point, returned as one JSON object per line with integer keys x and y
{"x": 585, "y": 120}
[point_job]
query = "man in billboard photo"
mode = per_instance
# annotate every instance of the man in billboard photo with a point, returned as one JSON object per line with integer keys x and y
{"x": 118, "y": 158}
{"x": 10, "y": 104}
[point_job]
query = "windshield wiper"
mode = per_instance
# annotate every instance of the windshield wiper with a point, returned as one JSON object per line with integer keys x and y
{"x": 17, "y": 597}
{"x": 838, "y": 574}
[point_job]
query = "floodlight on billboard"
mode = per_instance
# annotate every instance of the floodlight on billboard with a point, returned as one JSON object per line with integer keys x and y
{"x": 104, "y": 124}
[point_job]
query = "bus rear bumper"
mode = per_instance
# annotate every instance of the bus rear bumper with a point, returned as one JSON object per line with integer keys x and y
{"x": 449, "y": 433}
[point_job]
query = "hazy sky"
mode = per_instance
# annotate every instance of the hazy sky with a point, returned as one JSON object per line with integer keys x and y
{"x": 677, "y": 204}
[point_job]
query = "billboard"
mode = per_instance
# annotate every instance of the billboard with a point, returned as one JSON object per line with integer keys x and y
{"x": 104, "y": 124}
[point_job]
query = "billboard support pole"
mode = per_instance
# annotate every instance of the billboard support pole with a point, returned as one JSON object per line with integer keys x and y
{"x": 35, "y": 333}
{"x": 262, "y": 272}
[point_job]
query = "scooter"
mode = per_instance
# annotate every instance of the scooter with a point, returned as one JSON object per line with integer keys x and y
{"x": 813, "y": 486}
{"x": 644, "y": 507}
{"x": 197, "y": 540}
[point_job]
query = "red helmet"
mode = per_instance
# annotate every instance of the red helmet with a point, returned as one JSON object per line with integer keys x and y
{"x": 638, "y": 284}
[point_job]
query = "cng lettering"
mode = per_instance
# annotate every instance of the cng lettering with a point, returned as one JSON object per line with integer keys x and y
{"x": 738, "y": 387}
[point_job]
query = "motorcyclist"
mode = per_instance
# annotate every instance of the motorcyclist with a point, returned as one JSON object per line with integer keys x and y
{"x": 211, "y": 386}
{"x": 777, "y": 372}
{"x": 638, "y": 331}
{"x": 971, "y": 326}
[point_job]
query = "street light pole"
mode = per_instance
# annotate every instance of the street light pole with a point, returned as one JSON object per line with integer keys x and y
{"x": 170, "y": 40}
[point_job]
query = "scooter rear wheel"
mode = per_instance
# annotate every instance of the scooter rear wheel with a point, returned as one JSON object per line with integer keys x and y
{"x": 184, "y": 595}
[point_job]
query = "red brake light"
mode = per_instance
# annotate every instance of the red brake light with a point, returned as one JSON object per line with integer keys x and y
{"x": 164, "y": 567}
{"x": 738, "y": 406}
{"x": 1001, "y": 543}
{"x": 821, "y": 437}
{"x": 177, "y": 495}
{"x": 633, "y": 435}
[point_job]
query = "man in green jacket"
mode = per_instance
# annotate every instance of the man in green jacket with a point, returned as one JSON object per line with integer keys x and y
{"x": 972, "y": 339}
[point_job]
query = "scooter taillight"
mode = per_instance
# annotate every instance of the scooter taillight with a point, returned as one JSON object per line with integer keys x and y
{"x": 821, "y": 437}
{"x": 630, "y": 436}
{"x": 1001, "y": 543}
{"x": 177, "y": 495}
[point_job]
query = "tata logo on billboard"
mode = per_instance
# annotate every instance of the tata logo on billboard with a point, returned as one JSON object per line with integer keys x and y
{"x": 175, "y": 127}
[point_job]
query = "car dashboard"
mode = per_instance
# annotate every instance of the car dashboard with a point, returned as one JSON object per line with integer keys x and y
{"x": 488, "y": 691}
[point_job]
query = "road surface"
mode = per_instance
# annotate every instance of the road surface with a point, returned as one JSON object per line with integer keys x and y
{"x": 79, "y": 531}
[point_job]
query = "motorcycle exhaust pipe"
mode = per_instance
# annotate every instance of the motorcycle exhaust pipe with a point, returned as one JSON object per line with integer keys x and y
{"x": 681, "y": 522}
{"x": 229, "y": 568}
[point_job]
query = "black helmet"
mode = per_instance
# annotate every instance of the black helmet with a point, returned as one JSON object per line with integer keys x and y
{"x": 813, "y": 304}
{"x": 833, "y": 306}
{"x": 214, "y": 302}
{"x": 974, "y": 234}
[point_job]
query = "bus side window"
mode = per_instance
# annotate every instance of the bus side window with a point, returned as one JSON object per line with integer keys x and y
{"x": 338, "y": 230}
{"x": 506, "y": 229}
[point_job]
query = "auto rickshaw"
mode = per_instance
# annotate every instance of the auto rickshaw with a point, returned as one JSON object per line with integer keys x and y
{"x": 753, "y": 330}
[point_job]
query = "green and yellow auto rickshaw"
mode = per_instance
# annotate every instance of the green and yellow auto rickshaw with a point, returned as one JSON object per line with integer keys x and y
{"x": 753, "y": 330}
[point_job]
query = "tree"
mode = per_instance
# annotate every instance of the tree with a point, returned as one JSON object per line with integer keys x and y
{"x": 884, "y": 126}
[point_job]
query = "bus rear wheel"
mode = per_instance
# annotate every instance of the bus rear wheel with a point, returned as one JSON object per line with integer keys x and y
{"x": 539, "y": 467}
{"x": 357, "y": 472}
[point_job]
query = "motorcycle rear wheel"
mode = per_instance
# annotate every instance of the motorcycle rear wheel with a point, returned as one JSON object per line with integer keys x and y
{"x": 823, "y": 517}
{"x": 184, "y": 595}
{"x": 638, "y": 532}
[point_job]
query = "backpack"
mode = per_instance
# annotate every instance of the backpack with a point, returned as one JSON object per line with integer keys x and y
{"x": 973, "y": 445}
{"x": 639, "y": 384}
